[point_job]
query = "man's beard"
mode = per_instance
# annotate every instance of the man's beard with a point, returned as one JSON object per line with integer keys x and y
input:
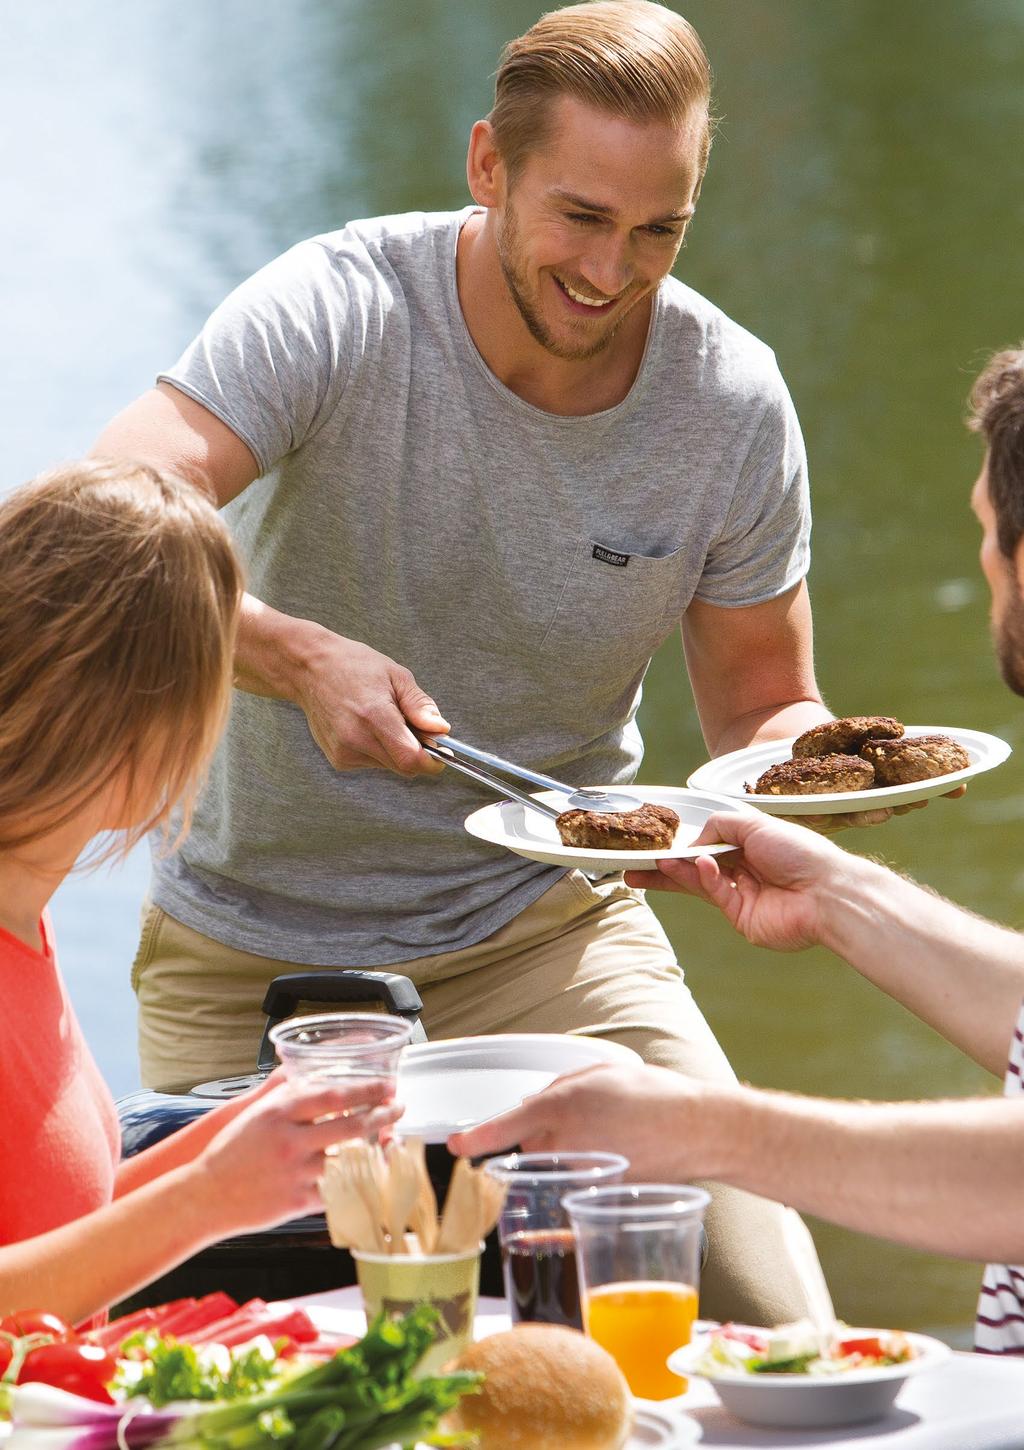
{"x": 519, "y": 291}
{"x": 1009, "y": 641}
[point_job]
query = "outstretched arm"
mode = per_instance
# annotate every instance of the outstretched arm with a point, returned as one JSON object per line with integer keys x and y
{"x": 362, "y": 707}
{"x": 946, "y": 1177}
{"x": 185, "y": 1144}
{"x": 790, "y": 889}
{"x": 93, "y": 1261}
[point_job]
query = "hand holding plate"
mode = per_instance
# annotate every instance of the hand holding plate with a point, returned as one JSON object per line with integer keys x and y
{"x": 773, "y": 893}
{"x": 831, "y": 825}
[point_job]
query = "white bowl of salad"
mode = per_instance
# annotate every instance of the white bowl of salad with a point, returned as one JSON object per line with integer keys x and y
{"x": 781, "y": 1377}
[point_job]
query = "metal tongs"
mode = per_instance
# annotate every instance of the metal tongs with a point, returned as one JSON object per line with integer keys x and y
{"x": 455, "y": 754}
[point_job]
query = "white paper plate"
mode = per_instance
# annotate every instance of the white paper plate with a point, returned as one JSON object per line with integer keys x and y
{"x": 653, "y": 1427}
{"x": 655, "y": 1430}
{"x": 793, "y": 1401}
{"x": 728, "y": 774}
{"x": 452, "y": 1085}
{"x": 529, "y": 834}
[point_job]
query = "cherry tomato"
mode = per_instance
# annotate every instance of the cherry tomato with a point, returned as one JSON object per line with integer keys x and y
{"x": 81, "y": 1369}
{"x": 37, "y": 1321}
{"x": 6, "y": 1350}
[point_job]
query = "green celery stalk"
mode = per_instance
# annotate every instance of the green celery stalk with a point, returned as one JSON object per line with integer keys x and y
{"x": 362, "y": 1398}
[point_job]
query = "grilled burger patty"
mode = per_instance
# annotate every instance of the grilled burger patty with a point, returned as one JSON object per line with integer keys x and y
{"x": 815, "y": 775}
{"x": 651, "y": 828}
{"x": 915, "y": 757}
{"x": 846, "y": 736}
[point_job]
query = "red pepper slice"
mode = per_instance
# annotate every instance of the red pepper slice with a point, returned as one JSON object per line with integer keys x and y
{"x": 252, "y": 1309}
{"x": 257, "y": 1318}
{"x": 110, "y": 1335}
{"x": 870, "y": 1346}
{"x": 295, "y": 1325}
{"x": 198, "y": 1314}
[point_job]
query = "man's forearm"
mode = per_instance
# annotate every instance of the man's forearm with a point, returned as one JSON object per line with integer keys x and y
{"x": 273, "y": 650}
{"x": 362, "y": 708}
{"x": 779, "y": 722}
{"x": 946, "y": 1177}
{"x": 752, "y": 670}
{"x": 962, "y": 975}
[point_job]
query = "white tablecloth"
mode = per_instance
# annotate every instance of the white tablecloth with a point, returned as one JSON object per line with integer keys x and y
{"x": 970, "y": 1403}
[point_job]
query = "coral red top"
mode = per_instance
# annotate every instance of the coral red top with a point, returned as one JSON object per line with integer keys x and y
{"x": 59, "y": 1135}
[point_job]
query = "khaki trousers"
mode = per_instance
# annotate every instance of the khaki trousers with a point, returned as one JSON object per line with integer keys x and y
{"x": 585, "y": 958}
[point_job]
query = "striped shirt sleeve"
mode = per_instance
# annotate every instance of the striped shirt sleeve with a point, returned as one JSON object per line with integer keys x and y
{"x": 999, "y": 1325}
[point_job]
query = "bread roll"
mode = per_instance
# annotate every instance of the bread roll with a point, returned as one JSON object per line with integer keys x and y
{"x": 545, "y": 1388}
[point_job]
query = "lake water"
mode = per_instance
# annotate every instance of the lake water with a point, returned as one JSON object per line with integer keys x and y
{"x": 862, "y": 213}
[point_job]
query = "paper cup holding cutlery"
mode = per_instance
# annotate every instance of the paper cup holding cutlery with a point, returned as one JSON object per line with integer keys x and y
{"x": 394, "y": 1284}
{"x": 373, "y": 1196}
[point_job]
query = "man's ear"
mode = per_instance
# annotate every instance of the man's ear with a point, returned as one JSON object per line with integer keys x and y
{"x": 485, "y": 170}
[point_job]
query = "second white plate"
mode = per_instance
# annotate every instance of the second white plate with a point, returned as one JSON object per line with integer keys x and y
{"x": 458, "y": 1082}
{"x": 728, "y": 775}
{"x": 529, "y": 834}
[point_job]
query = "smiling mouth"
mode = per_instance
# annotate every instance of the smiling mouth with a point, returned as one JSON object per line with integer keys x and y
{"x": 596, "y": 304}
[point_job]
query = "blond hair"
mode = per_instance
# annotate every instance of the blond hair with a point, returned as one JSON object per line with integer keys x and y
{"x": 119, "y": 596}
{"x": 631, "y": 58}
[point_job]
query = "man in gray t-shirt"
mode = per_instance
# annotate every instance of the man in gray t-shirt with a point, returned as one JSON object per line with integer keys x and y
{"x": 522, "y": 563}
{"x": 501, "y": 455}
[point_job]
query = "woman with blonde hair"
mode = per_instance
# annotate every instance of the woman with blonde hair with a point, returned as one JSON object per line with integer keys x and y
{"x": 119, "y": 597}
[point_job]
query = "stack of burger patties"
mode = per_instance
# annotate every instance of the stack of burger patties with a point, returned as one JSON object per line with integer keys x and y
{"x": 859, "y": 752}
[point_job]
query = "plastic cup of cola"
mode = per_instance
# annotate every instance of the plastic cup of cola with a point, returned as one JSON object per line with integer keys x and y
{"x": 639, "y": 1248}
{"x": 338, "y": 1047}
{"x": 538, "y": 1249}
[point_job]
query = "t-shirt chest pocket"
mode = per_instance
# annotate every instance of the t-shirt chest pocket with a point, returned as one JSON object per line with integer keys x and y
{"x": 617, "y": 606}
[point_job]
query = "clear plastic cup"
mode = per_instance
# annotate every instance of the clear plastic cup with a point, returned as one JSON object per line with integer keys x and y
{"x": 639, "y": 1248}
{"x": 331, "y": 1047}
{"x": 538, "y": 1250}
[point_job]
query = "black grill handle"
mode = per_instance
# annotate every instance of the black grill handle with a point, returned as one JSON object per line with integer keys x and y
{"x": 396, "y": 993}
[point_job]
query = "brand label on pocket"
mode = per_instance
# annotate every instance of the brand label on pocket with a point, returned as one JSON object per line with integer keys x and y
{"x": 609, "y": 556}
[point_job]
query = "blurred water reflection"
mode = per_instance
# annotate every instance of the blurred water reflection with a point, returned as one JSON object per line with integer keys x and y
{"x": 862, "y": 213}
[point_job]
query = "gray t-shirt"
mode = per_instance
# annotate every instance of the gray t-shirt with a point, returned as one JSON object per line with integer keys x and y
{"x": 412, "y": 501}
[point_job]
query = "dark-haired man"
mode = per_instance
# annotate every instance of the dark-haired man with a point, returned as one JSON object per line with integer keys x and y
{"x": 942, "y": 1176}
{"x": 504, "y": 455}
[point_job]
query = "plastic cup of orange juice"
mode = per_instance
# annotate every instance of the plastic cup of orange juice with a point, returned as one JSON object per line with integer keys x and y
{"x": 638, "y": 1253}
